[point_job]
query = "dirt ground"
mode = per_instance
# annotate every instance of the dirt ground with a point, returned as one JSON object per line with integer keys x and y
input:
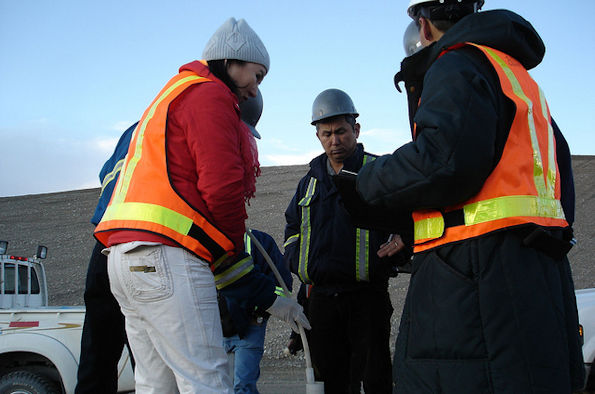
{"x": 60, "y": 221}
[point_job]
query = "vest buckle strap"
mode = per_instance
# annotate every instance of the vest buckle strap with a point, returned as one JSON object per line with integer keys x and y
{"x": 201, "y": 236}
{"x": 549, "y": 243}
{"x": 454, "y": 218}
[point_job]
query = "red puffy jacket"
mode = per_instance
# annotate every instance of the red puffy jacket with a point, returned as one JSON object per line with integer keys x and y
{"x": 203, "y": 157}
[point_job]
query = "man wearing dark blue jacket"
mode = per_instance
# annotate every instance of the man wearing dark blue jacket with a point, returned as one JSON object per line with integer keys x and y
{"x": 349, "y": 305}
{"x": 244, "y": 328}
{"x": 103, "y": 335}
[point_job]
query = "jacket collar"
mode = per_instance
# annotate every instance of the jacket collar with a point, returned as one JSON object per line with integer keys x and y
{"x": 352, "y": 163}
{"x": 200, "y": 68}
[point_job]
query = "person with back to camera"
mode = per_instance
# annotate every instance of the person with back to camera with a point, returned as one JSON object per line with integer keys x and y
{"x": 174, "y": 226}
{"x": 490, "y": 307}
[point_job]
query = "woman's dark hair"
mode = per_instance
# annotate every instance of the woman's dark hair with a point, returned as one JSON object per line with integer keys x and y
{"x": 219, "y": 69}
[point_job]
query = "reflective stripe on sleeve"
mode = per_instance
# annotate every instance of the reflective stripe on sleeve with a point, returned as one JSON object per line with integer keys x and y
{"x": 247, "y": 244}
{"x": 280, "y": 292}
{"x": 112, "y": 175}
{"x": 362, "y": 246}
{"x": 233, "y": 273}
{"x": 292, "y": 239}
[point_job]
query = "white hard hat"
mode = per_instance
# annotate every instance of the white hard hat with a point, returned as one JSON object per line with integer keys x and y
{"x": 413, "y": 3}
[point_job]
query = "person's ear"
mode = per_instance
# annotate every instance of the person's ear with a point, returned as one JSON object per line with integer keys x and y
{"x": 425, "y": 29}
{"x": 356, "y": 128}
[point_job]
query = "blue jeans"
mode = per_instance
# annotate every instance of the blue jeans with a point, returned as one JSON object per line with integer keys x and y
{"x": 248, "y": 353}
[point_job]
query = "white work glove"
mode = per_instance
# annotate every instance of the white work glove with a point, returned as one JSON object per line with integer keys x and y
{"x": 288, "y": 310}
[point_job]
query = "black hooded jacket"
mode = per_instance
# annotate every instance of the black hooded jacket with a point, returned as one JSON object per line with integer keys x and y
{"x": 468, "y": 324}
{"x": 463, "y": 118}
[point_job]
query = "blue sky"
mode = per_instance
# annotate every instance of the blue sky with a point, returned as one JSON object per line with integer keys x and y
{"x": 75, "y": 74}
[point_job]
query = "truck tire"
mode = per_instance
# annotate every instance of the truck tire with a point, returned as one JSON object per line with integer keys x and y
{"x": 25, "y": 382}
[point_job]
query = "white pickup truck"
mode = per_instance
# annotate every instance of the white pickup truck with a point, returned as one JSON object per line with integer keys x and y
{"x": 40, "y": 345}
{"x": 585, "y": 301}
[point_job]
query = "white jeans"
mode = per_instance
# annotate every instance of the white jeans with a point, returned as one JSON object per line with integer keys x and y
{"x": 172, "y": 318}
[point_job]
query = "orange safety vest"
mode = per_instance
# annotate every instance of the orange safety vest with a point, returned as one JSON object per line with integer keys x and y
{"x": 144, "y": 199}
{"x": 525, "y": 185}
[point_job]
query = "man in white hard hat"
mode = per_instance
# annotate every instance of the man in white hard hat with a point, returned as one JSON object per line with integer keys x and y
{"x": 490, "y": 307}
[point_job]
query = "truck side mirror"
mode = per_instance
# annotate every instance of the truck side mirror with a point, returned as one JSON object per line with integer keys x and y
{"x": 3, "y": 247}
{"x": 42, "y": 252}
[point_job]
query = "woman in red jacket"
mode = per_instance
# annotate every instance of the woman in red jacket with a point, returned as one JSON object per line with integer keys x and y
{"x": 174, "y": 226}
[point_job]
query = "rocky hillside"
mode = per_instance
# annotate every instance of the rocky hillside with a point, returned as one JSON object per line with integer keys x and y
{"x": 60, "y": 221}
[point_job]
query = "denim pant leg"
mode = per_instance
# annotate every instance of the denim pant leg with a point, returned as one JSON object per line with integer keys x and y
{"x": 248, "y": 353}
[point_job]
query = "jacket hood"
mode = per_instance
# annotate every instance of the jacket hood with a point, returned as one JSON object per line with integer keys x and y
{"x": 499, "y": 29}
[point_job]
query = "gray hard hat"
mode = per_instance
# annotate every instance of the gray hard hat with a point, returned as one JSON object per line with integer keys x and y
{"x": 411, "y": 40}
{"x": 330, "y": 103}
{"x": 250, "y": 111}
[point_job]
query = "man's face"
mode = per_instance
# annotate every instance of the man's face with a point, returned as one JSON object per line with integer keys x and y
{"x": 338, "y": 138}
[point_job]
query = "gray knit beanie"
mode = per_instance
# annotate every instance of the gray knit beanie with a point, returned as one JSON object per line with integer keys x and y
{"x": 236, "y": 40}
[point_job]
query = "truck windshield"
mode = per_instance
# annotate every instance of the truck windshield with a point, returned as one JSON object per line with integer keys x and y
{"x": 9, "y": 280}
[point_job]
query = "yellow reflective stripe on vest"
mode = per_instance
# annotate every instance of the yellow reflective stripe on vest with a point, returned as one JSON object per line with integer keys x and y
{"x": 124, "y": 180}
{"x": 551, "y": 173}
{"x": 233, "y": 273}
{"x": 538, "y": 171}
{"x": 150, "y": 213}
{"x": 494, "y": 209}
{"x": 362, "y": 245}
{"x": 429, "y": 228}
{"x": 290, "y": 240}
{"x": 111, "y": 175}
{"x": 306, "y": 232}
{"x": 512, "y": 206}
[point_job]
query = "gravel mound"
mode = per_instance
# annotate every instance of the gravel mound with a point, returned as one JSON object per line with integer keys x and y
{"x": 60, "y": 221}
